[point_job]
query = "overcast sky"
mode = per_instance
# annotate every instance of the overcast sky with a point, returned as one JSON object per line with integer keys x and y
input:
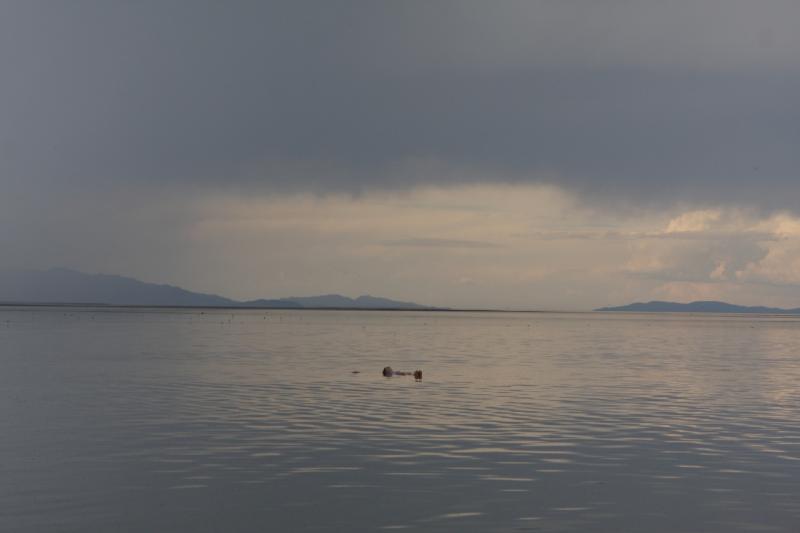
{"x": 556, "y": 154}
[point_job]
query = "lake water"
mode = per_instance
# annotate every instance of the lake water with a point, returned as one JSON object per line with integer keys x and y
{"x": 197, "y": 421}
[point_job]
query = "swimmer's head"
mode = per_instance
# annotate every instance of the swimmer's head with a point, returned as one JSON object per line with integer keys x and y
{"x": 387, "y": 371}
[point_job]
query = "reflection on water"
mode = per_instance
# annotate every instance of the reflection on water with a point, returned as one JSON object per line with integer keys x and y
{"x": 188, "y": 420}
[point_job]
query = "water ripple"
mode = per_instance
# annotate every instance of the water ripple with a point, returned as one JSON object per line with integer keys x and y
{"x": 182, "y": 421}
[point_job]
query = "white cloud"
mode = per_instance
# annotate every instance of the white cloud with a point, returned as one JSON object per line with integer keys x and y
{"x": 719, "y": 273}
{"x": 780, "y": 264}
{"x": 693, "y": 221}
{"x": 721, "y": 252}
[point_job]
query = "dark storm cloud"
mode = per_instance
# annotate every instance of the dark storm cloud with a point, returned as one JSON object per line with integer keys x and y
{"x": 656, "y": 101}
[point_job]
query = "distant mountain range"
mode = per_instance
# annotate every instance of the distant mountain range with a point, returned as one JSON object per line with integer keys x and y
{"x": 699, "y": 307}
{"x": 64, "y": 286}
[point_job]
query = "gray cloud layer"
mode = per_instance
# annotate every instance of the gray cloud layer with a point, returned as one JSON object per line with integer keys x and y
{"x": 652, "y": 101}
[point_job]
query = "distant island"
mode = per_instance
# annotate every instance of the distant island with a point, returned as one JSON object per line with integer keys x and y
{"x": 65, "y": 286}
{"x": 699, "y": 307}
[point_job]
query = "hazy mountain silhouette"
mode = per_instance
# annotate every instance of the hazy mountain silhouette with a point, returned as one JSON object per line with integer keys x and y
{"x": 362, "y": 302}
{"x": 270, "y": 303}
{"x": 65, "y": 286}
{"x": 698, "y": 307}
{"x": 61, "y": 285}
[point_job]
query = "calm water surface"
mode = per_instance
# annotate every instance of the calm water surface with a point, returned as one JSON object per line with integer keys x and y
{"x": 191, "y": 421}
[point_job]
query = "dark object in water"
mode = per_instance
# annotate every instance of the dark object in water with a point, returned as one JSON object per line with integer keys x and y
{"x": 388, "y": 372}
{"x": 356, "y": 372}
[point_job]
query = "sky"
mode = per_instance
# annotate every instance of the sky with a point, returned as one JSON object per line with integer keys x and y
{"x": 554, "y": 154}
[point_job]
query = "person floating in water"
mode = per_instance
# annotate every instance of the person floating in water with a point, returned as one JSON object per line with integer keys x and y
{"x": 388, "y": 372}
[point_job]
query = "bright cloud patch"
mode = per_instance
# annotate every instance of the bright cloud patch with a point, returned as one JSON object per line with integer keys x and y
{"x": 504, "y": 246}
{"x": 519, "y": 247}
